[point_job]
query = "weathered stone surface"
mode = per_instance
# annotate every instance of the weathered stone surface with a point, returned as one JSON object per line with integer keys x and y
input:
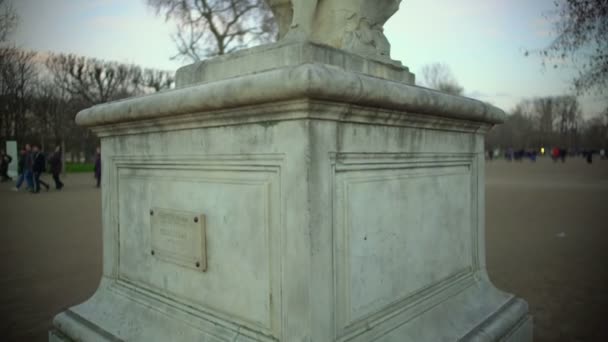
{"x": 288, "y": 54}
{"x": 306, "y": 81}
{"x": 352, "y": 25}
{"x": 340, "y": 205}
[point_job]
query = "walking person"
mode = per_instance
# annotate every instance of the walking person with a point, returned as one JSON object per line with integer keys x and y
{"x": 28, "y": 167}
{"x": 562, "y": 154}
{"x": 5, "y": 159}
{"x": 20, "y": 170}
{"x": 55, "y": 164}
{"x": 98, "y": 166}
{"x": 23, "y": 169}
{"x": 38, "y": 167}
{"x": 589, "y": 157}
{"x": 555, "y": 154}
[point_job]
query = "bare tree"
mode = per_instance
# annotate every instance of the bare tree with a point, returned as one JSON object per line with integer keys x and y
{"x": 439, "y": 77}
{"x": 568, "y": 113}
{"x": 568, "y": 120}
{"x": 557, "y": 119}
{"x": 98, "y": 81}
{"x": 94, "y": 80}
{"x": 596, "y": 131}
{"x": 516, "y": 132}
{"x": 543, "y": 114}
{"x": 151, "y": 81}
{"x": 216, "y": 27}
{"x": 17, "y": 77}
{"x": 8, "y": 20}
{"x": 80, "y": 82}
{"x": 581, "y": 28}
{"x": 542, "y": 121}
{"x": 51, "y": 111}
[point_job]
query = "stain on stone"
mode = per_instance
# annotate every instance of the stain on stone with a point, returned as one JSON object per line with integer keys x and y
{"x": 267, "y": 124}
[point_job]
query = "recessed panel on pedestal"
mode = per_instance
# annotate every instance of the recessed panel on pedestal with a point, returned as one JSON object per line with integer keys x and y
{"x": 197, "y": 233}
{"x": 403, "y": 228}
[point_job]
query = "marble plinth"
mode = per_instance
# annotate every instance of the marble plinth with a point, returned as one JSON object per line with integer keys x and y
{"x": 305, "y": 202}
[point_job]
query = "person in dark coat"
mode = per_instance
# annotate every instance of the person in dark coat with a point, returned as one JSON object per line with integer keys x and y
{"x": 562, "y": 154}
{"x": 98, "y": 166}
{"x": 38, "y": 167}
{"x": 28, "y": 165}
{"x": 25, "y": 172}
{"x": 589, "y": 156}
{"x": 55, "y": 164}
{"x": 20, "y": 169}
{"x": 5, "y": 159}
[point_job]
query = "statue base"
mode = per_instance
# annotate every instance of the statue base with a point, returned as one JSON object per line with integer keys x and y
{"x": 304, "y": 202}
{"x": 285, "y": 54}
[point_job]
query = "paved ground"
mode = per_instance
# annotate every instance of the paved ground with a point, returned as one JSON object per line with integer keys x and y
{"x": 545, "y": 242}
{"x": 50, "y": 255}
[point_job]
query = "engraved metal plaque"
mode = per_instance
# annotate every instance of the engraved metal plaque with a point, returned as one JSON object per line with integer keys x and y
{"x": 179, "y": 237}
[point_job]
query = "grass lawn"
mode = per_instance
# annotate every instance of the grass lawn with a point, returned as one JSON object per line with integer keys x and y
{"x": 79, "y": 167}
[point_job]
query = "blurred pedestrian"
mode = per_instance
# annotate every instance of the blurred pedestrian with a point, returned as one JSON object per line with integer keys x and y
{"x": 38, "y": 167}
{"x": 5, "y": 159}
{"x": 24, "y": 173}
{"x": 532, "y": 155}
{"x": 555, "y": 154}
{"x": 98, "y": 166}
{"x": 28, "y": 167}
{"x": 55, "y": 165}
{"x": 20, "y": 169}
{"x": 590, "y": 157}
{"x": 509, "y": 154}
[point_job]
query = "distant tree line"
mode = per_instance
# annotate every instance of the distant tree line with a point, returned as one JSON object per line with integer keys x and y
{"x": 40, "y": 94}
{"x": 553, "y": 121}
{"x": 439, "y": 76}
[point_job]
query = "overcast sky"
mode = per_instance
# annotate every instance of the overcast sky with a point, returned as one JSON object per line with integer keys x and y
{"x": 483, "y": 41}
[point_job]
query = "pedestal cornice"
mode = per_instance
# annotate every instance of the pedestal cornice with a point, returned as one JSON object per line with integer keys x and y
{"x": 309, "y": 81}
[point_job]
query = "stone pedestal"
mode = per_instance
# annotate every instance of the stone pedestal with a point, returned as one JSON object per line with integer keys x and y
{"x": 323, "y": 199}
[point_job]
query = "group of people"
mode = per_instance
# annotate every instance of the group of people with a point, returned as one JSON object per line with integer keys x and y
{"x": 521, "y": 154}
{"x": 559, "y": 154}
{"x": 556, "y": 154}
{"x": 32, "y": 163}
